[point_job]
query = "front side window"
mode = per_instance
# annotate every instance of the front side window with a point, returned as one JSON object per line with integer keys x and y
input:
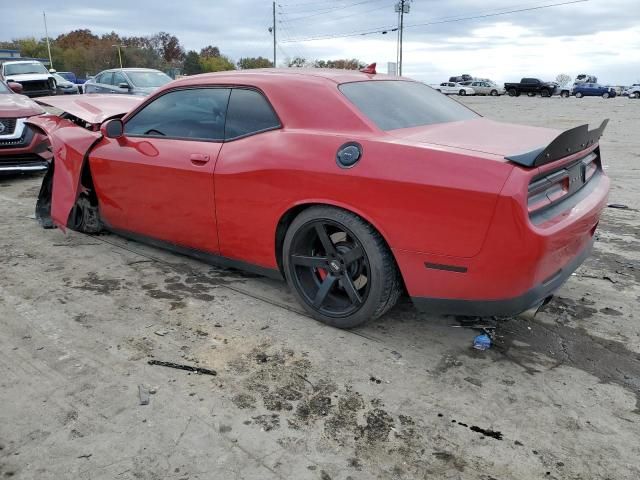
{"x": 393, "y": 104}
{"x": 196, "y": 114}
{"x": 105, "y": 78}
{"x": 249, "y": 112}
{"x": 119, "y": 78}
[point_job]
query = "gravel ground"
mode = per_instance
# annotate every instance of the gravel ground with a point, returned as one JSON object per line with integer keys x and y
{"x": 404, "y": 397}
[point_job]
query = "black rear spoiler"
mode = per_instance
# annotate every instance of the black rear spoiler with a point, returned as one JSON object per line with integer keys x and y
{"x": 567, "y": 143}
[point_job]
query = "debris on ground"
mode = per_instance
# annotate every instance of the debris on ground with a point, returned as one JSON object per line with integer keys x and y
{"x": 482, "y": 342}
{"x": 161, "y": 333}
{"x": 189, "y": 368}
{"x": 618, "y": 205}
{"x": 143, "y": 394}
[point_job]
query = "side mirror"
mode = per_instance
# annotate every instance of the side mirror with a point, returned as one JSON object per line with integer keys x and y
{"x": 113, "y": 128}
{"x": 124, "y": 85}
{"x": 15, "y": 86}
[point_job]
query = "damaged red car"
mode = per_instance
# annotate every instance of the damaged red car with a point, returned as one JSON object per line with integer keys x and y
{"x": 354, "y": 187}
{"x": 22, "y": 148}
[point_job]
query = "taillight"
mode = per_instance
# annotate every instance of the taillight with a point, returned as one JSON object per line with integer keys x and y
{"x": 547, "y": 190}
{"x": 554, "y": 186}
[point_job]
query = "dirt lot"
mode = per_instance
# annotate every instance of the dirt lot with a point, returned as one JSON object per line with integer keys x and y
{"x": 406, "y": 397}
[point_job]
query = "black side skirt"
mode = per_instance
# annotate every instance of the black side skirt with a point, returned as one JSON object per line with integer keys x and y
{"x": 506, "y": 307}
{"x": 206, "y": 257}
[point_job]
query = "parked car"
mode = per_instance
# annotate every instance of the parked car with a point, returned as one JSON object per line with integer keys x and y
{"x": 633, "y": 91}
{"x": 593, "y": 90}
{"x": 70, "y": 76}
{"x": 22, "y": 148}
{"x": 132, "y": 81}
{"x": 34, "y": 77}
{"x": 64, "y": 86}
{"x": 451, "y": 88}
{"x": 304, "y": 192}
{"x": 531, "y": 87}
{"x": 487, "y": 88}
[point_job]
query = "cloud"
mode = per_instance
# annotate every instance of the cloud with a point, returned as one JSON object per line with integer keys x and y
{"x": 597, "y": 36}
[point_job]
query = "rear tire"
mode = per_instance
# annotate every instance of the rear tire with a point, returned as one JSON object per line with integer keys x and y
{"x": 636, "y": 95}
{"x": 605, "y": 95}
{"x": 494, "y": 93}
{"x": 564, "y": 94}
{"x": 339, "y": 267}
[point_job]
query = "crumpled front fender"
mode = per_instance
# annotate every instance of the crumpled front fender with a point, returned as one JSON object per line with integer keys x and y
{"x": 70, "y": 145}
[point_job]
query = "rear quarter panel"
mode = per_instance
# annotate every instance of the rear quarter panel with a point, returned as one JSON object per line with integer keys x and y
{"x": 425, "y": 199}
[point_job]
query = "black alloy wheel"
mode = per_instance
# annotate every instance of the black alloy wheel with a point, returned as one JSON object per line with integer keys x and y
{"x": 339, "y": 267}
{"x": 462, "y": 92}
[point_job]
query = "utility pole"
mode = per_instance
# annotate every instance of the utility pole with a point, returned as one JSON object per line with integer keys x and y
{"x": 274, "y": 34}
{"x": 402, "y": 7}
{"x": 119, "y": 53}
{"x": 46, "y": 32}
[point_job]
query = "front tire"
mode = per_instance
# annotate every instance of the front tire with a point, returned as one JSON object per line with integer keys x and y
{"x": 494, "y": 93}
{"x": 462, "y": 93}
{"x": 579, "y": 95}
{"x": 339, "y": 267}
{"x": 636, "y": 95}
{"x": 605, "y": 95}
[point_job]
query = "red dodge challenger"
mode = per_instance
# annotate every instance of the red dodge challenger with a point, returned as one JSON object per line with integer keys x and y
{"x": 352, "y": 186}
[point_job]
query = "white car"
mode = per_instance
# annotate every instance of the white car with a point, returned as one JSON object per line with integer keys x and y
{"x": 451, "y": 88}
{"x": 487, "y": 88}
{"x": 34, "y": 77}
{"x": 633, "y": 91}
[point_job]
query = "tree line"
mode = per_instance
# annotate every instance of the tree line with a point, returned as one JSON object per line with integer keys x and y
{"x": 85, "y": 53}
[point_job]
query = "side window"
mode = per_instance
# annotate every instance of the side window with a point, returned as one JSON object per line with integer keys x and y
{"x": 118, "y": 78}
{"x": 249, "y": 112}
{"x": 197, "y": 114}
{"x": 106, "y": 78}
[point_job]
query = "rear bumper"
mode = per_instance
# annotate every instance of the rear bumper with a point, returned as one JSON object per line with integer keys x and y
{"x": 524, "y": 257}
{"x": 508, "y": 306}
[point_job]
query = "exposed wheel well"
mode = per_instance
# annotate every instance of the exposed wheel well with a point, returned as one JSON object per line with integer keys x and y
{"x": 289, "y": 215}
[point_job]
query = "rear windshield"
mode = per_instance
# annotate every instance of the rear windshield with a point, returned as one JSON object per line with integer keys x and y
{"x": 144, "y": 79}
{"x": 393, "y": 104}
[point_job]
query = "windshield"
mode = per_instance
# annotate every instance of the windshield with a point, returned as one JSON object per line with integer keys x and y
{"x": 148, "y": 79}
{"x": 60, "y": 78}
{"x": 393, "y": 104}
{"x": 24, "y": 68}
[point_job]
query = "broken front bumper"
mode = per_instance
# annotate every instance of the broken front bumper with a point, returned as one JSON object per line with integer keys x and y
{"x": 27, "y": 150}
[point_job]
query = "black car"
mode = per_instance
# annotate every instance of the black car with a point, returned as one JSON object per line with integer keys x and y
{"x": 532, "y": 87}
{"x": 132, "y": 81}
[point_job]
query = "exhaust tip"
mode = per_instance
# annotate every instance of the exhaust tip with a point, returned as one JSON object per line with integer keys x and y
{"x": 531, "y": 313}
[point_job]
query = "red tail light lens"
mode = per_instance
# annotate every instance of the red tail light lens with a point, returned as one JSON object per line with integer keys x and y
{"x": 554, "y": 186}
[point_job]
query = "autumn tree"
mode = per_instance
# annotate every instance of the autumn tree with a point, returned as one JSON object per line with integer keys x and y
{"x": 209, "y": 52}
{"x": 216, "y": 64}
{"x": 246, "y": 63}
{"x": 343, "y": 64}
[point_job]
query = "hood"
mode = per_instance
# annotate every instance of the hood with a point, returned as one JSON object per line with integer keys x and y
{"x": 143, "y": 90}
{"x": 480, "y": 135}
{"x": 93, "y": 108}
{"x": 28, "y": 77}
{"x": 18, "y": 106}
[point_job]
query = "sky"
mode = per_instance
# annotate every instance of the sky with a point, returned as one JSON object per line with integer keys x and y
{"x": 600, "y": 37}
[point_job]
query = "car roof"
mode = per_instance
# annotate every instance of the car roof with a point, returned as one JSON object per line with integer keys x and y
{"x": 129, "y": 70}
{"x": 270, "y": 74}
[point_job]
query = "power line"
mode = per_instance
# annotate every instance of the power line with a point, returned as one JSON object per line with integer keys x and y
{"x": 393, "y": 28}
{"x": 326, "y": 10}
{"x": 337, "y": 19}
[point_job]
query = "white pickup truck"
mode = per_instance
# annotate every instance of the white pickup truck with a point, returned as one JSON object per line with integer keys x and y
{"x": 34, "y": 77}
